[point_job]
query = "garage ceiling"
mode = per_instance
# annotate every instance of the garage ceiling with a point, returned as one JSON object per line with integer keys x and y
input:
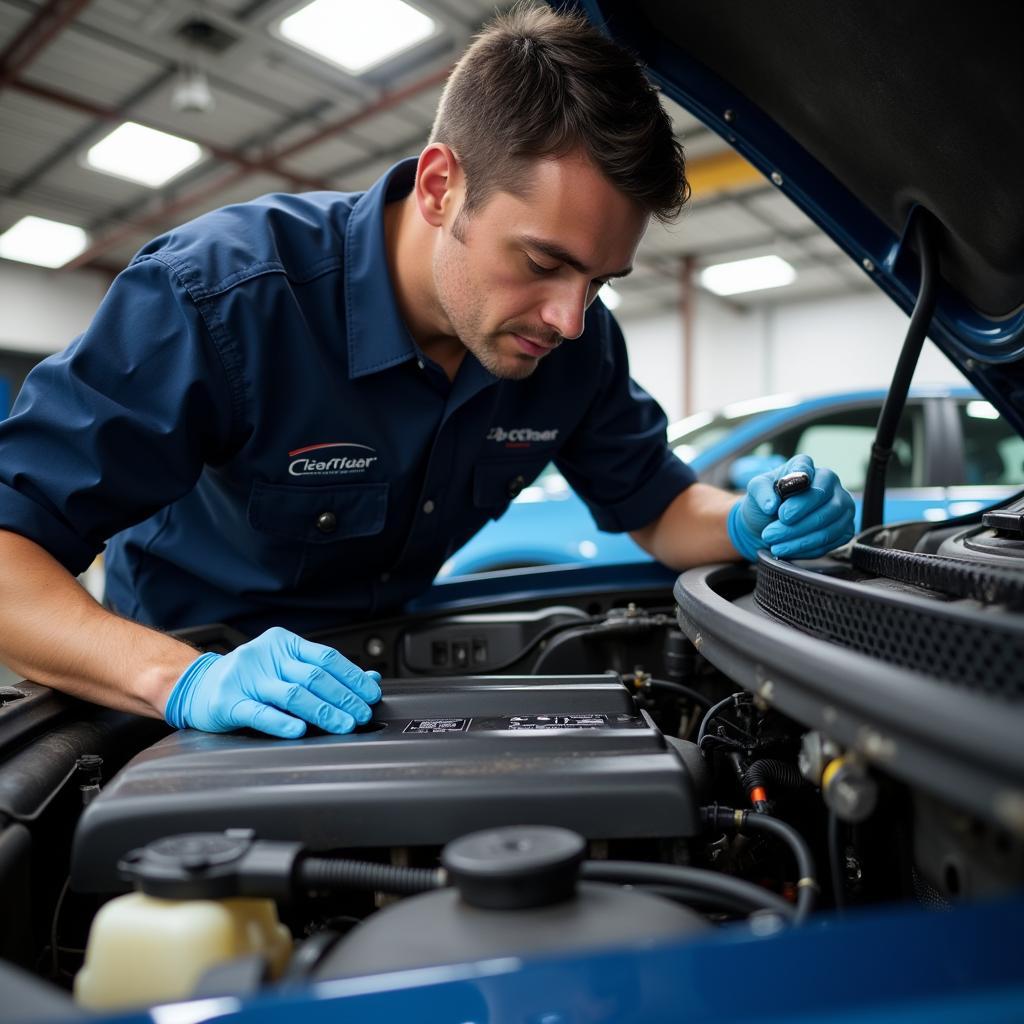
{"x": 71, "y": 70}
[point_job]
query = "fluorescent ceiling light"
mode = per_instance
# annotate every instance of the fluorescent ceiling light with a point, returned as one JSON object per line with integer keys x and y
{"x": 354, "y": 34}
{"x": 143, "y": 155}
{"x": 46, "y": 243}
{"x": 610, "y": 297}
{"x": 747, "y": 275}
{"x": 982, "y": 411}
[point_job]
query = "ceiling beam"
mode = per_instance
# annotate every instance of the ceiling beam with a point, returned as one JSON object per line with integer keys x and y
{"x": 117, "y": 114}
{"x": 192, "y": 198}
{"x": 49, "y": 21}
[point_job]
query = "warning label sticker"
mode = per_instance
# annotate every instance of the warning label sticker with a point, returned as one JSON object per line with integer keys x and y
{"x": 422, "y": 725}
{"x": 518, "y": 722}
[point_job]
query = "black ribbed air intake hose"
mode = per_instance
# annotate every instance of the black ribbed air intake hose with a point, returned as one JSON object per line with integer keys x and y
{"x": 324, "y": 873}
{"x": 770, "y": 772}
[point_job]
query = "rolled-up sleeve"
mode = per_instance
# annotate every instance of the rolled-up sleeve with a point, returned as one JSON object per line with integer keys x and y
{"x": 120, "y": 423}
{"x": 618, "y": 459}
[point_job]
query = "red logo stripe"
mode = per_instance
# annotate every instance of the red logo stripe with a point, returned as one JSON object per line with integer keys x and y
{"x": 329, "y": 444}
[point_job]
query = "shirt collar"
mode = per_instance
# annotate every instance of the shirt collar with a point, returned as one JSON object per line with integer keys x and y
{"x": 377, "y": 336}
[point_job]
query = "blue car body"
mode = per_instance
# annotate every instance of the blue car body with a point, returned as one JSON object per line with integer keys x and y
{"x": 549, "y": 525}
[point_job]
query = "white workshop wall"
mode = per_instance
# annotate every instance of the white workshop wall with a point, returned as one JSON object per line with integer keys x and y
{"x": 42, "y": 310}
{"x": 807, "y": 347}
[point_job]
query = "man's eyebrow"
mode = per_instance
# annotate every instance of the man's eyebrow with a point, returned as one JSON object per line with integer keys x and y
{"x": 556, "y": 252}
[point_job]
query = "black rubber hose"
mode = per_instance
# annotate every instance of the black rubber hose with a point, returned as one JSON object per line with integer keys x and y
{"x": 678, "y": 688}
{"x": 699, "y": 899}
{"x": 807, "y": 884}
{"x": 328, "y": 873}
{"x": 835, "y": 858}
{"x": 896, "y": 398}
{"x": 770, "y": 772}
{"x": 626, "y": 872}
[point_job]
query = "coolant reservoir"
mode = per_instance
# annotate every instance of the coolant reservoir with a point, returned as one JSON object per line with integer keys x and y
{"x": 156, "y": 944}
{"x": 143, "y": 949}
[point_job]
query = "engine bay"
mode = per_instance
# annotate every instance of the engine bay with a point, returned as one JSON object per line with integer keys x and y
{"x": 683, "y": 755}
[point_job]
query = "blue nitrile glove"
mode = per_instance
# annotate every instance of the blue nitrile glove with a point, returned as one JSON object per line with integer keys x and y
{"x": 806, "y": 525}
{"x": 277, "y": 672}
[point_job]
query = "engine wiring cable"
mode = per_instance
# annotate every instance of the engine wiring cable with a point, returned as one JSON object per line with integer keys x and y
{"x": 679, "y": 689}
{"x": 749, "y": 821}
{"x": 733, "y": 700}
{"x": 605, "y": 625}
{"x": 578, "y": 625}
{"x": 589, "y": 626}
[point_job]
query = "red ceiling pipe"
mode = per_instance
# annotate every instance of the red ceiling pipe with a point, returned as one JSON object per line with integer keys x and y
{"x": 48, "y": 23}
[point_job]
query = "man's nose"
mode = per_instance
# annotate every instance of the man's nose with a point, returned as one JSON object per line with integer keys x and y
{"x": 564, "y": 309}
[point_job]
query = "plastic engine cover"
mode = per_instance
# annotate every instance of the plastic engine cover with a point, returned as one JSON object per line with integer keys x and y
{"x": 441, "y": 758}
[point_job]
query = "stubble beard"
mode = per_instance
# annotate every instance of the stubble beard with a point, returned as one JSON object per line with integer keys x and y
{"x": 464, "y": 310}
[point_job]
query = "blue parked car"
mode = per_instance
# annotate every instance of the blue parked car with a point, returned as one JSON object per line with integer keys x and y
{"x": 953, "y": 455}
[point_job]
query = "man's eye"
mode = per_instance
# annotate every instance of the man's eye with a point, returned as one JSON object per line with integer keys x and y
{"x": 537, "y": 268}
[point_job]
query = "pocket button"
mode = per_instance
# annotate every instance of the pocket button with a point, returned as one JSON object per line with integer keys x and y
{"x": 327, "y": 522}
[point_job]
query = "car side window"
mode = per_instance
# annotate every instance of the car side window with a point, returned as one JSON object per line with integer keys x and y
{"x": 993, "y": 450}
{"x": 842, "y": 442}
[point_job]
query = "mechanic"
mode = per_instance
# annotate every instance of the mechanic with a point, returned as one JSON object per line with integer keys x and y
{"x": 288, "y": 413}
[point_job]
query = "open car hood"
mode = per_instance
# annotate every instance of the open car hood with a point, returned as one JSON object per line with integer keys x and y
{"x": 865, "y": 115}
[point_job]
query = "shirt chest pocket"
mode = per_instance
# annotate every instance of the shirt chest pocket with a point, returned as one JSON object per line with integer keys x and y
{"x": 318, "y": 515}
{"x": 497, "y": 482}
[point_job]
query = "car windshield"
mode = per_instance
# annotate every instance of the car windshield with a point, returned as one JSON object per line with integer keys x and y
{"x": 688, "y": 442}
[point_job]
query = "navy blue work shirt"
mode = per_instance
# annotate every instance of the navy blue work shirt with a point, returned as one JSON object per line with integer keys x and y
{"x": 250, "y": 421}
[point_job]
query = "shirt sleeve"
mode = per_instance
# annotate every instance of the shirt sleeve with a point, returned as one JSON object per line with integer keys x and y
{"x": 119, "y": 424}
{"x": 618, "y": 459}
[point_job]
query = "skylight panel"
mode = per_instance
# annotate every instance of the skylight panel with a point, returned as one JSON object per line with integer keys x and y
{"x": 45, "y": 243}
{"x": 143, "y": 155}
{"x": 355, "y": 35}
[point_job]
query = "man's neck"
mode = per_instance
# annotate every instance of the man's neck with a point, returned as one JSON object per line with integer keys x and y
{"x": 408, "y": 244}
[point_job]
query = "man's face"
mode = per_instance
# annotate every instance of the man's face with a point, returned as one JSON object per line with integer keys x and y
{"x": 516, "y": 276}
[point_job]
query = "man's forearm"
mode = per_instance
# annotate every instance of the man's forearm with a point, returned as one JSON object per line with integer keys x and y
{"x": 692, "y": 530}
{"x": 54, "y": 633}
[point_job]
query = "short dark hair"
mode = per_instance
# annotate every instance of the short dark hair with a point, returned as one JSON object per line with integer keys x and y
{"x": 535, "y": 84}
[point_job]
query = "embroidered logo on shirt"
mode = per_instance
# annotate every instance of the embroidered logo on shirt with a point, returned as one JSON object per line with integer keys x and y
{"x": 337, "y": 464}
{"x": 521, "y": 437}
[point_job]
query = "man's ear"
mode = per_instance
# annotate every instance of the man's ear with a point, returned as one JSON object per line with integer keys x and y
{"x": 439, "y": 184}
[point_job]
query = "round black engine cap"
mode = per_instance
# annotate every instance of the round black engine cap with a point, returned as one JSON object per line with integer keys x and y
{"x": 194, "y": 865}
{"x": 515, "y": 867}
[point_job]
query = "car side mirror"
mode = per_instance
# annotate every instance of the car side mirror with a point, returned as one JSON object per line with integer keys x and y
{"x": 746, "y": 467}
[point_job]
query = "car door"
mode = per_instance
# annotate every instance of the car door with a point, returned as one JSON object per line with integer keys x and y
{"x": 992, "y": 466}
{"x": 841, "y": 437}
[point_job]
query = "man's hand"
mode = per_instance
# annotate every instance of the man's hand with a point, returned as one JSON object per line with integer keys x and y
{"x": 275, "y": 673}
{"x": 806, "y": 525}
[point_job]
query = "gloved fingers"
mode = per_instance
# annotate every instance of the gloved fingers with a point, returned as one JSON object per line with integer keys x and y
{"x": 817, "y": 543}
{"x": 838, "y": 507}
{"x": 364, "y": 684}
{"x": 266, "y": 719}
{"x": 325, "y": 686}
{"x": 761, "y": 495}
{"x": 297, "y": 700}
{"x": 823, "y": 486}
